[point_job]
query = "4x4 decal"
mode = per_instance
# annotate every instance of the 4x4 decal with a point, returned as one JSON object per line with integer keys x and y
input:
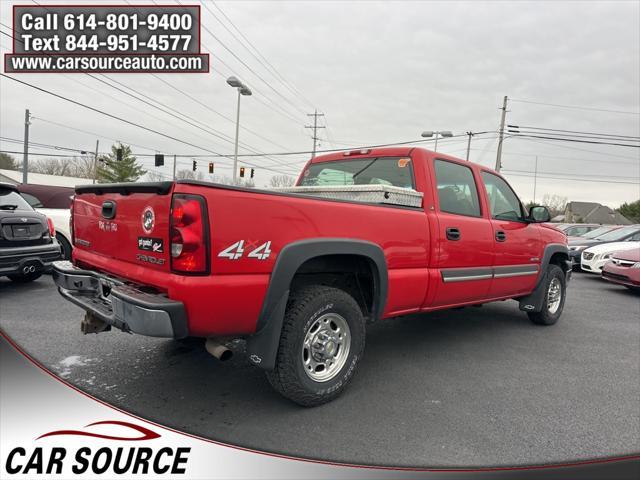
{"x": 236, "y": 250}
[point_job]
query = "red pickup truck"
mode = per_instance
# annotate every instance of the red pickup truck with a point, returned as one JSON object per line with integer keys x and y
{"x": 299, "y": 277}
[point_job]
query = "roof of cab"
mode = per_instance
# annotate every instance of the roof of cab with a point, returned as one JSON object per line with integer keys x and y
{"x": 389, "y": 152}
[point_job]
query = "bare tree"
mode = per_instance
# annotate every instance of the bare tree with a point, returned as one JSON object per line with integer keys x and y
{"x": 155, "y": 177}
{"x": 83, "y": 166}
{"x": 281, "y": 181}
{"x": 555, "y": 203}
{"x": 189, "y": 175}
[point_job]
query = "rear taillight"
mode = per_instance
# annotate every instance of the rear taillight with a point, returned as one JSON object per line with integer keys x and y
{"x": 52, "y": 230}
{"x": 73, "y": 237}
{"x": 189, "y": 235}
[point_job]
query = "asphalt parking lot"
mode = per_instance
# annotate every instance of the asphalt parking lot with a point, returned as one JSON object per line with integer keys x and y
{"x": 478, "y": 386}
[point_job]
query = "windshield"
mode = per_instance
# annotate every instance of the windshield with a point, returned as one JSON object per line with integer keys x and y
{"x": 396, "y": 171}
{"x": 597, "y": 232}
{"x": 619, "y": 234}
{"x": 10, "y": 200}
{"x": 562, "y": 227}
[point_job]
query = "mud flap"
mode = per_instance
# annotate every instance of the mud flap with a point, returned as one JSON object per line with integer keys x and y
{"x": 262, "y": 347}
{"x": 534, "y": 302}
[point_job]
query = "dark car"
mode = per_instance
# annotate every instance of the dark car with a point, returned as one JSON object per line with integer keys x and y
{"x": 577, "y": 229}
{"x": 27, "y": 243}
{"x": 576, "y": 246}
{"x": 46, "y": 196}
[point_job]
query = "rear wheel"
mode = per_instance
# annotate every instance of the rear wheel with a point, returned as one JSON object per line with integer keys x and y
{"x": 555, "y": 293}
{"x": 322, "y": 341}
{"x": 65, "y": 247}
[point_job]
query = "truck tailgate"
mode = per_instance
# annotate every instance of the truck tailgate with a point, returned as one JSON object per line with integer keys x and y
{"x": 128, "y": 223}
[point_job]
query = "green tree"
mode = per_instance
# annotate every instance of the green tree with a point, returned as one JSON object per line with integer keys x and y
{"x": 631, "y": 211}
{"x": 111, "y": 170}
{"x": 7, "y": 162}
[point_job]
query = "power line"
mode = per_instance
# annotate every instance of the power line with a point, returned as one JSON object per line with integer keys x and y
{"x": 575, "y": 107}
{"x": 102, "y": 112}
{"x": 570, "y": 179}
{"x": 571, "y": 174}
{"x": 575, "y": 140}
{"x": 567, "y": 147}
{"x": 208, "y": 129}
{"x": 574, "y": 131}
{"x": 257, "y": 55}
{"x": 543, "y": 156}
{"x": 257, "y": 75}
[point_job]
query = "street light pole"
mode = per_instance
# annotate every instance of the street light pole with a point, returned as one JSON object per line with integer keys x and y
{"x": 235, "y": 154}
{"x": 242, "y": 90}
{"x": 441, "y": 133}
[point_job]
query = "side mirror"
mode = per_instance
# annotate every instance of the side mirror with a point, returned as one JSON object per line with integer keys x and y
{"x": 539, "y": 214}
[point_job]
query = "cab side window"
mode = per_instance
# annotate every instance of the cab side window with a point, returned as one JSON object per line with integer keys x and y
{"x": 504, "y": 204}
{"x": 457, "y": 192}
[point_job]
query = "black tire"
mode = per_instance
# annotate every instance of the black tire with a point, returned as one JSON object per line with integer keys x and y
{"x": 65, "y": 246}
{"x": 304, "y": 308}
{"x": 549, "y": 316}
{"x": 25, "y": 278}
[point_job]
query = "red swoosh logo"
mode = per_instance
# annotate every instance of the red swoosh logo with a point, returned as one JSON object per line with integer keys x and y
{"x": 146, "y": 433}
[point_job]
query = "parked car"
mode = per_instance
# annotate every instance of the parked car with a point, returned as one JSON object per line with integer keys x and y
{"x": 595, "y": 233}
{"x": 629, "y": 232}
{"x": 27, "y": 243}
{"x": 594, "y": 258}
{"x": 366, "y": 235}
{"x": 624, "y": 269}
{"x": 578, "y": 229}
{"x": 54, "y": 202}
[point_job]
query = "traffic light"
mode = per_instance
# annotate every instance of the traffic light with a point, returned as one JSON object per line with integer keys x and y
{"x": 159, "y": 159}
{"x": 241, "y": 172}
{"x": 252, "y": 172}
{"x": 195, "y": 165}
{"x": 119, "y": 154}
{"x": 210, "y": 167}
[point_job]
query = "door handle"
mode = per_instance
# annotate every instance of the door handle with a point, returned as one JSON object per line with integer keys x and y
{"x": 501, "y": 236}
{"x": 453, "y": 233}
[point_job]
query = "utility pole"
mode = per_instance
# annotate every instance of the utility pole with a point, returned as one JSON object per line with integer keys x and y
{"x": 174, "y": 167}
{"x": 315, "y": 127}
{"x": 469, "y": 144}
{"x": 25, "y": 156}
{"x": 535, "y": 180}
{"x": 95, "y": 162}
{"x": 501, "y": 134}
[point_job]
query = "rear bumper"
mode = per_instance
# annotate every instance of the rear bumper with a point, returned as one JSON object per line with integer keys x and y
{"x": 121, "y": 304}
{"x": 13, "y": 260}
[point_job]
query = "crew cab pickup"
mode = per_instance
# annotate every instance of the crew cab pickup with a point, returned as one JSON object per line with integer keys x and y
{"x": 300, "y": 276}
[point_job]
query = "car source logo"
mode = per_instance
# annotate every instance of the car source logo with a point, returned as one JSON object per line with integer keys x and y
{"x": 148, "y": 220}
{"x": 24, "y": 220}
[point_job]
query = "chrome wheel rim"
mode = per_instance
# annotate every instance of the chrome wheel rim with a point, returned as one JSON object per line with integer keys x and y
{"x": 326, "y": 347}
{"x": 554, "y": 295}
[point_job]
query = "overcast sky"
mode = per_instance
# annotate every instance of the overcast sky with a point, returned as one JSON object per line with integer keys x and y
{"x": 381, "y": 72}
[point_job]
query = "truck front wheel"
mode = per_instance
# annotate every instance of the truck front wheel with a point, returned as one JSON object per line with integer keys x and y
{"x": 555, "y": 293}
{"x": 322, "y": 341}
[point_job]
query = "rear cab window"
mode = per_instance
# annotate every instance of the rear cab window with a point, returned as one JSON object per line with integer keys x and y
{"x": 393, "y": 171}
{"x": 457, "y": 191}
